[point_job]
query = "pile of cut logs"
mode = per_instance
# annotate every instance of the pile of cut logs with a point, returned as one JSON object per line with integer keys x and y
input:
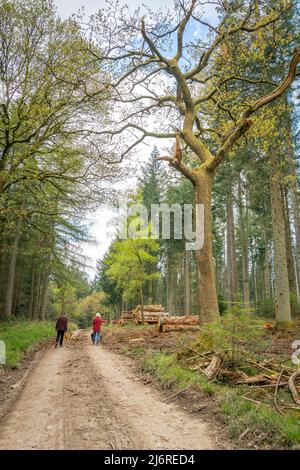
{"x": 152, "y": 313}
{"x": 126, "y": 317}
{"x": 179, "y": 323}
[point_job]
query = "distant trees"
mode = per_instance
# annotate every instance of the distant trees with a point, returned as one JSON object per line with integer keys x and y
{"x": 210, "y": 93}
{"x": 79, "y": 101}
{"x": 50, "y": 170}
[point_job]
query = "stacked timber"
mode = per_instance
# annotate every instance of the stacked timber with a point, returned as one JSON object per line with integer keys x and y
{"x": 126, "y": 317}
{"x": 179, "y": 323}
{"x": 152, "y": 313}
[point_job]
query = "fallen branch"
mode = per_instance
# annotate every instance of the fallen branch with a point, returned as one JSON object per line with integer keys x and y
{"x": 281, "y": 384}
{"x": 253, "y": 401}
{"x": 244, "y": 434}
{"x": 214, "y": 367}
{"x": 177, "y": 393}
{"x": 276, "y": 392}
{"x": 292, "y": 386}
{"x": 261, "y": 366}
{"x": 6, "y": 380}
{"x": 253, "y": 379}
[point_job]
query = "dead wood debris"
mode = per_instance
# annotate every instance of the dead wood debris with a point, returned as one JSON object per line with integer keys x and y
{"x": 271, "y": 376}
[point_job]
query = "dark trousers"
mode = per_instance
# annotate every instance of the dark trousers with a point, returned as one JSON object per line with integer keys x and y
{"x": 60, "y": 337}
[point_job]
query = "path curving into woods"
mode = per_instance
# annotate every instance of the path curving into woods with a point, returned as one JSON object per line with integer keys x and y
{"x": 85, "y": 397}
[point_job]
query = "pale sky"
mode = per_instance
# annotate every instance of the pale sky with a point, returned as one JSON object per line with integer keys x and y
{"x": 67, "y": 7}
{"x": 101, "y": 231}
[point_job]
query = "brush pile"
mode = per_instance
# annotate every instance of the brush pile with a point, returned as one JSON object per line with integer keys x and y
{"x": 273, "y": 381}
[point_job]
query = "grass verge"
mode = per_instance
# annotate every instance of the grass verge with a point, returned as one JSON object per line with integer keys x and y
{"x": 20, "y": 336}
{"x": 262, "y": 426}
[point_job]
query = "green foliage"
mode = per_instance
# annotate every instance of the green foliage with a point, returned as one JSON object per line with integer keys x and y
{"x": 46, "y": 176}
{"x": 104, "y": 283}
{"x": 278, "y": 431}
{"x": 87, "y": 308}
{"x": 19, "y": 336}
{"x": 237, "y": 333}
{"x": 266, "y": 309}
{"x": 170, "y": 374}
{"x": 130, "y": 263}
{"x": 295, "y": 304}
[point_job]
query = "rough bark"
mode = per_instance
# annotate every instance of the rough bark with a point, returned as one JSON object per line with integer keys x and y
{"x": 12, "y": 268}
{"x": 187, "y": 283}
{"x": 44, "y": 292}
{"x": 296, "y": 217}
{"x": 37, "y": 296}
{"x": 282, "y": 292}
{"x": 267, "y": 267}
{"x": 288, "y": 242}
{"x": 171, "y": 285}
{"x": 231, "y": 251}
{"x": 142, "y": 302}
{"x": 207, "y": 292}
{"x": 31, "y": 300}
{"x": 244, "y": 251}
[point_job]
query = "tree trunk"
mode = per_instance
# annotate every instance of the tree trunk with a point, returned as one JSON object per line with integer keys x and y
{"x": 282, "y": 292}
{"x": 31, "y": 300}
{"x": 44, "y": 292}
{"x": 288, "y": 242}
{"x": 267, "y": 268}
{"x": 244, "y": 251}
{"x": 12, "y": 267}
{"x": 37, "y": 296}
{"x": 171, "y": 285}
{"x": 207, "y": 292}
{"x": 254, "y": 281}
{"x": 296, "y": 216}
{"x": 231, "y": 250}
{"x": 187, "y": 283}
{"x": 142, "y": 302}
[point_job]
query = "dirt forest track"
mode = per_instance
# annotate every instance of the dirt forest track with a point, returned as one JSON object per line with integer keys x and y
{"x": 86, "y": 397}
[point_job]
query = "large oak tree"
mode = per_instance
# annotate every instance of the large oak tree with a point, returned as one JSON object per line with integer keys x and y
{"x": 166, "y": 81}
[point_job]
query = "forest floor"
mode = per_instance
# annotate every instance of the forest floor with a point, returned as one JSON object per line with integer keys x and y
{"x": 138, "y": 391}
{"x": 87, "y": 397}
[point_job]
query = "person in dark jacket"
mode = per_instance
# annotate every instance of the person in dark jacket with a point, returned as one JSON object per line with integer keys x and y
{"x": 97, "y": 322}
{"x": 61, "y": 327}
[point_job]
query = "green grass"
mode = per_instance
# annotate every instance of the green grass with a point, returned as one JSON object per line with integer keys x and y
{"x": 20, "y": 336}
{"x": 263, "y": 422}
{"x": 172, "y": 375}
{"x": 279, "y": 431}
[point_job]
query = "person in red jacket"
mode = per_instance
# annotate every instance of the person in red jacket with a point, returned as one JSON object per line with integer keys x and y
{"x": 61, "y": 327}
{"x": 97, "y": 322}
